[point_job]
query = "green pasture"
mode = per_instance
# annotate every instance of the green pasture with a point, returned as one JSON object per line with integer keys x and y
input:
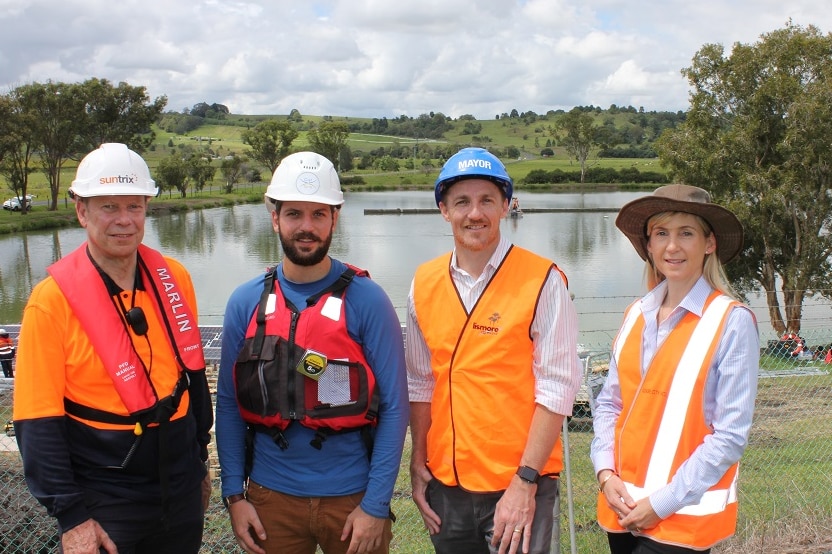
{"x": 223, "y": 139}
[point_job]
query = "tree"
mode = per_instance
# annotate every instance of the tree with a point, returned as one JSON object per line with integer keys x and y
{"x": 328, "y": 139}
{"x": 18, "y": 143}
{"x": 387, "y": 163}
{"x": 345, "y": 158}
{"x": 578, "y": 135}
{"x": 270, "y": 141}
{"x": 118, "y": 114}
{"x": 757, "y": 136}
{"x": 232, "y": 167}
{"x": 172, "y": 173}
{"x": 56, "y": 110}
{"x": 200, "y": 170}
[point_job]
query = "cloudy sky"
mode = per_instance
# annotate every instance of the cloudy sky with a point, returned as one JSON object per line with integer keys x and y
{"x": 385, "y": 58}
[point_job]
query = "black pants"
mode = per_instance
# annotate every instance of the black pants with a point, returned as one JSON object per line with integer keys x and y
{"x": 7, "y": 367}
{"x": 627, "y": 543}
{"x": 468, "y": 518}
{"x": 139, "y": 528}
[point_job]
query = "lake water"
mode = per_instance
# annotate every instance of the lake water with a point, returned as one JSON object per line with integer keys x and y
{"x": 222, "y": 247}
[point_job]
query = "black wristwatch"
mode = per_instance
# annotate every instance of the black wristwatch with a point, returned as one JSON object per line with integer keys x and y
{"x": 527, "y": 474}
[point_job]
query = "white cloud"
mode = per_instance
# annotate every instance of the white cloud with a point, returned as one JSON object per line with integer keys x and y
{"x": 378, "y": 58}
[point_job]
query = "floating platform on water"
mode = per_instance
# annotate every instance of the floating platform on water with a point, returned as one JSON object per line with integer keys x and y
{"x": 411, "y": 211}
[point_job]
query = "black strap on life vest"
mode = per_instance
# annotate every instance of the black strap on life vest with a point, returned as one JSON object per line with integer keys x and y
{"x": 159, "y": 414}
{"x": 336, "y": 288}
{"x": 321, "y": 435}
{"x": 162, "y": 411}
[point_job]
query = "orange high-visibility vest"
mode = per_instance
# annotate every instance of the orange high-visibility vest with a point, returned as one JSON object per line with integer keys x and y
{"x": 663, "y": 421}
{"x": 483, "y": 398}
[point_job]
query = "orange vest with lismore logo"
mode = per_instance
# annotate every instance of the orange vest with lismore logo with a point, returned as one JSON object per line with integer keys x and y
{"x": 663, "y": 421}
{"x": 483, "y": 398}
{"x": 86, "y": 293}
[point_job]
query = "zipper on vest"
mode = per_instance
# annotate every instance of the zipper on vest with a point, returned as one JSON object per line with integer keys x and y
{"x": 291, "y": 377}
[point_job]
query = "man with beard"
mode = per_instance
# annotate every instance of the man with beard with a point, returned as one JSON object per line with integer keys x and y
{"x": 312, "y": 403}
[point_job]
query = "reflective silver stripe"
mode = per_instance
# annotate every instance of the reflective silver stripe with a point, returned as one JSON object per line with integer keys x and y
{"x": 712, "y": 502}
{"x": 629, "y": 321}
{"x": 681, "y": 393}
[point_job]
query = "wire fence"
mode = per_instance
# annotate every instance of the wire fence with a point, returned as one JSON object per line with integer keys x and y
{"x": 785, "y": 475}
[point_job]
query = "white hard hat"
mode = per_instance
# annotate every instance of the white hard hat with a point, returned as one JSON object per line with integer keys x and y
{"x": 305, "y": 177}
{"x": 113, "y": 169}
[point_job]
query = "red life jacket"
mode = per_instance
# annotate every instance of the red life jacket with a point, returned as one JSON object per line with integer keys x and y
{"x": 87, "y": 295}
{"x": 303, "y": 366}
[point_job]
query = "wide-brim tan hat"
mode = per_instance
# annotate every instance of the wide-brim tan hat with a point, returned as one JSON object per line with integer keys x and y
{"x": 633, "y": 216}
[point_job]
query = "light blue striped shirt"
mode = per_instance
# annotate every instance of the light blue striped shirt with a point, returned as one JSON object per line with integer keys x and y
{"x": 554, "y": 333}
{"x": 730, "y": 393}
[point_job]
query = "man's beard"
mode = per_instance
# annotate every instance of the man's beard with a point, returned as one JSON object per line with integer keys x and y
{"x": 294, "y": 255}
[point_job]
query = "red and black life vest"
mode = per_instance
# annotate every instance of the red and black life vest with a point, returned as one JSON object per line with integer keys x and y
{"x": 302, "y": 366}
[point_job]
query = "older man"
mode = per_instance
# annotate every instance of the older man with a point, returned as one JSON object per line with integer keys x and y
{"x": 112, "y": 410}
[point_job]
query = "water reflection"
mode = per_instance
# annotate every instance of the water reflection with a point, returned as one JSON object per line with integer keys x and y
{"x": 224, "y": 246}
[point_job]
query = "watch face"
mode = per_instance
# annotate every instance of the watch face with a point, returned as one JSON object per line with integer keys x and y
{"x": 528, "y": 474}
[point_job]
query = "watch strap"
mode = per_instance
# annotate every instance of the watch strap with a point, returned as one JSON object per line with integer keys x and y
{"x": 528, "y": 474}
{"x": 232, "y": 499}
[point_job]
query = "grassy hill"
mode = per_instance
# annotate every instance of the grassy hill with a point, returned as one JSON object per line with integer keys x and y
{"x": 527, "y": 133}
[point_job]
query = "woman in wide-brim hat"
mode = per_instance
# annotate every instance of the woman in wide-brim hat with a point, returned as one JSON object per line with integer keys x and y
{"x": 673, "y": 417}
{"x": 634, "y": 218}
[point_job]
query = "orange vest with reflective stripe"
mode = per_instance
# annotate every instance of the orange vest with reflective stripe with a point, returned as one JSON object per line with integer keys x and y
{"x": 483, "y": 399}
{"x": 663, "y": 421}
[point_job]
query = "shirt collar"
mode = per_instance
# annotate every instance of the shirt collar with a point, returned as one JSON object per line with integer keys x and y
{"x": 694, "y": 300}
{"x": 493, "y": 262}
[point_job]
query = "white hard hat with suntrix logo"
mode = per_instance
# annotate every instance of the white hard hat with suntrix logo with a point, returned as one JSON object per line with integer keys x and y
{"x": 113, "y": 170}
{"x": 305, "y": 177}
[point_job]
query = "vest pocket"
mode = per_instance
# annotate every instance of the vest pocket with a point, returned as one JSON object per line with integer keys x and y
{"x": 341, "y": 390}
{"x": 255, "y": 377}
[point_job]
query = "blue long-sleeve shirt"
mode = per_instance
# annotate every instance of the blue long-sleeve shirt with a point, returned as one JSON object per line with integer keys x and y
{"x": 730, "y": 392}
{"x": 342, "y": 466}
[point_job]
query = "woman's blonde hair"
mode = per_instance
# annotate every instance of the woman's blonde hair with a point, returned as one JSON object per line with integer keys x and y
{"x": 712, "y": 270}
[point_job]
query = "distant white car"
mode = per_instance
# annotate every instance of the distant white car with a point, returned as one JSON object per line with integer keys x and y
{"x": 14, "y": 204}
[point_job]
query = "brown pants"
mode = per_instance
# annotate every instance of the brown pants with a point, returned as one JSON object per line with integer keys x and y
{"x": 299, "y": 524}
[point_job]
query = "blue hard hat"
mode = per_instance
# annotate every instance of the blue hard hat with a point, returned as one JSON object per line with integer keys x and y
{"x": 473, "y": 163}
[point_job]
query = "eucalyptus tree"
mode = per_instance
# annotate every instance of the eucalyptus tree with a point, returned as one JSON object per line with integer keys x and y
{"x": 232, "y": 168}
{"x": 52, "y": 122}
{"x": 328, "y": 139}
{"x": 270, "y": 141}
{"x": 758, "y": 136}
{"x": 200, "y": 170}
{"x": 18, "y": 143}
{"x": 173, "y": 173}
{"x": 577, "y": 133}
{"x": 56, "y": 109}
{"x": 118, "y": 113}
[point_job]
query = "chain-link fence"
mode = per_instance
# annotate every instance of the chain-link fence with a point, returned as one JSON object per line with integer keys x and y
{"x": 785, "y": 475}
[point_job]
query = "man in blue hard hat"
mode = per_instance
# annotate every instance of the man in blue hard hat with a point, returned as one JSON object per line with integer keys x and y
{"x": 492, "y": 372}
